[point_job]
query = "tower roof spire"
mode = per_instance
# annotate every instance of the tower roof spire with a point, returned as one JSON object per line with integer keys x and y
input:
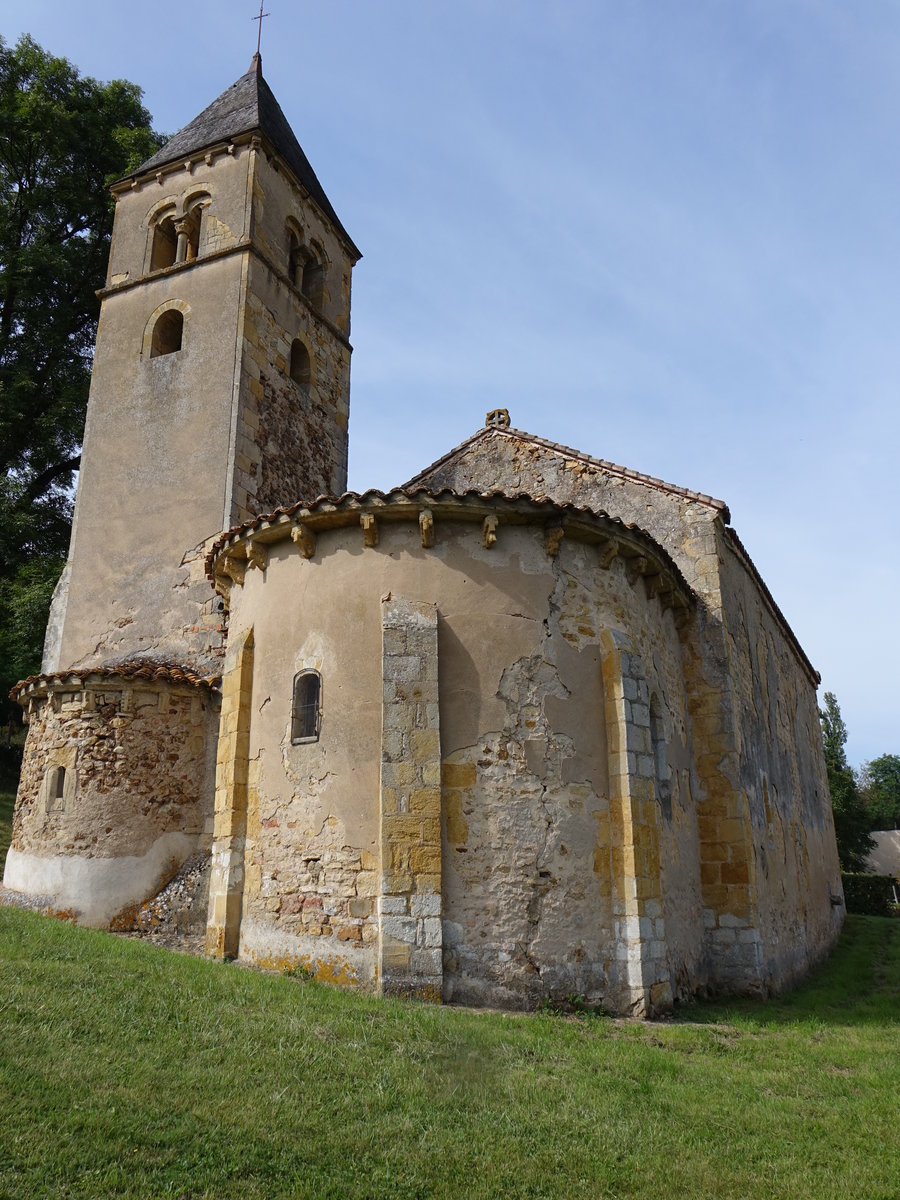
{"x": 247, "y": 107}
{"x": 259, "y": 17}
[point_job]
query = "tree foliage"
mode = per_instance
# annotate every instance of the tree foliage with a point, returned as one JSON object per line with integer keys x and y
{"x": 880, "y": 789}
{"x": 65, "y": 139}
{"x": 851, "y": 823}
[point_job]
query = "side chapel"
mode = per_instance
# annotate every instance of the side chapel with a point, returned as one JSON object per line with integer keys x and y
{"x": 530, "y": 724}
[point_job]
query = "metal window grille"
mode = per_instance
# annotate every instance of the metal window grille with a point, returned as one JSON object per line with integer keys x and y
{"x": 306, "y": 710}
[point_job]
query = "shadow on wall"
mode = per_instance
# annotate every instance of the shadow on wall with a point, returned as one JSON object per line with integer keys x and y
{"x": 857, "y": 985}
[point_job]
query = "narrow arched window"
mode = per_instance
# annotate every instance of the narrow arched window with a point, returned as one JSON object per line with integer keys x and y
{"x": 306, "y": 708}
{"x": 56, "y": 787}
{"x": 300, "y": 365}
{"x": 313, "y": 285}
{"x": 167, "y": 333}
{"x": 165, "y": 244}
{"x": 194, "y": 226}
{"x": 296, "y": 257}
{"x": 192, "y": 249}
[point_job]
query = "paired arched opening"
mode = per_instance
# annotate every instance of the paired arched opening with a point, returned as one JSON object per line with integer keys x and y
{"x": 165, "y": 243}
{"x": 168, "y": 333}
{"x": 178, "y": 239}
{"x": 306, "y": 267}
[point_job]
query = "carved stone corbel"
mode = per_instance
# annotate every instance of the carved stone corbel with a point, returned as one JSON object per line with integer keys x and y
{"x": 426, "y": 528}
{"x": 681, "y": 616}
{"x": 489, "y": 532}
{"x": 369, "y": 528}
{"x": 257, "y": 556}
{"x": 607, "y": 552}
{"x": 635, "y": 567}
{"x": 235, "y": 569}
{"x": 654, "y": 584}
{"x": 305, "y": 539}
{"x": 224, "y": 585}
{"x": 553, "y": 536}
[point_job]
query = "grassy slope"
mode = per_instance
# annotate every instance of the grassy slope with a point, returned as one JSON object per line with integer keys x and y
{"x": 127, "y": 1071}
{"x": 7, "y": 803}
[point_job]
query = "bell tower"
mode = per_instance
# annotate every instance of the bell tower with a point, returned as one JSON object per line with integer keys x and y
{"x": 221, "y": 381}
{"x": 220, "y": 389}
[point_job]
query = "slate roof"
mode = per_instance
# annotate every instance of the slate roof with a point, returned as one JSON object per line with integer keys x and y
{"x": 248, "y": 106}
{"x": 494, "y": 431}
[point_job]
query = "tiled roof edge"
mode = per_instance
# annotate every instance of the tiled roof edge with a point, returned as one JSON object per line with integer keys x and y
{"x": 351, "y": 500}
{"x": 144, "y": 669}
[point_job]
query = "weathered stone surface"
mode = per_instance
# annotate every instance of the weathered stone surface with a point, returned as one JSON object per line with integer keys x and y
{"x": 126, "y": 748}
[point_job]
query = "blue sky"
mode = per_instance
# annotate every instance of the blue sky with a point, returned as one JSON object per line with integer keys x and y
{"x": 667, "y": 234}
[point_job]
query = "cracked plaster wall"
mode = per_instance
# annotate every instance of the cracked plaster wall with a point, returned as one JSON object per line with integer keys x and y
{"x": 527, "y": 876}
{"x": 768, "y": 860}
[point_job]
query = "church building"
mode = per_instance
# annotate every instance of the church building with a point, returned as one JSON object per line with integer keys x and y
{"x": 528, "y": 725}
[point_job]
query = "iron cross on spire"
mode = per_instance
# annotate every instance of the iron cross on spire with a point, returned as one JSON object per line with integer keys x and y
{"x": 260, "y": 19}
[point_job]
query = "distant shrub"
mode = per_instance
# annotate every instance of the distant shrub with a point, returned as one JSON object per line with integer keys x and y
{"x": 871, "y": 895}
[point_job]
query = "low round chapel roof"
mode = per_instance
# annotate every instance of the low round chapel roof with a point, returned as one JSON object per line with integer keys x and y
{"x": 142, "y": 669}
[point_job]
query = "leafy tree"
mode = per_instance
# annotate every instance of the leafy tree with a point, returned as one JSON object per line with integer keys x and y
{"x": 880, "y": 791}
{"x": 851, "y": 823}
{"x": 65, "y": 139}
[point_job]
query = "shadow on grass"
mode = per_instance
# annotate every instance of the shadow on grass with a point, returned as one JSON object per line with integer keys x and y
{"x": 858, "y": 985}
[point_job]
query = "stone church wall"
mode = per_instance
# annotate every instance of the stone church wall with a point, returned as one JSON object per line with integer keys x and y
{"x": 157, "y": 440}
{"x": 793, "y": 866}
{"x": 533, "y": 888}
{"x": 291, "y": 437}
{"x": 511, "y": 464}
{"x": 136, "y": 793}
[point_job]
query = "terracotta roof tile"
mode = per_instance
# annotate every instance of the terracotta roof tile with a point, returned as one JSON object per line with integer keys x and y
{"x": 541, "y": 505}
{"x": 141, "y": 669}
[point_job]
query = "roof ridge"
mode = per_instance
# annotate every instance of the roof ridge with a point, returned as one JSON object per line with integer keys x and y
{"x": 558, "y": 448}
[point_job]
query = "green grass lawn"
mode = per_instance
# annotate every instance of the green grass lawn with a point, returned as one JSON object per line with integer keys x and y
{"x": 7, "y": 803}
{"x": 131, "y": 1072}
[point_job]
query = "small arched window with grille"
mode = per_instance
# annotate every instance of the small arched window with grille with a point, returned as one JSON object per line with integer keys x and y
{"x": 306, "y": 707}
